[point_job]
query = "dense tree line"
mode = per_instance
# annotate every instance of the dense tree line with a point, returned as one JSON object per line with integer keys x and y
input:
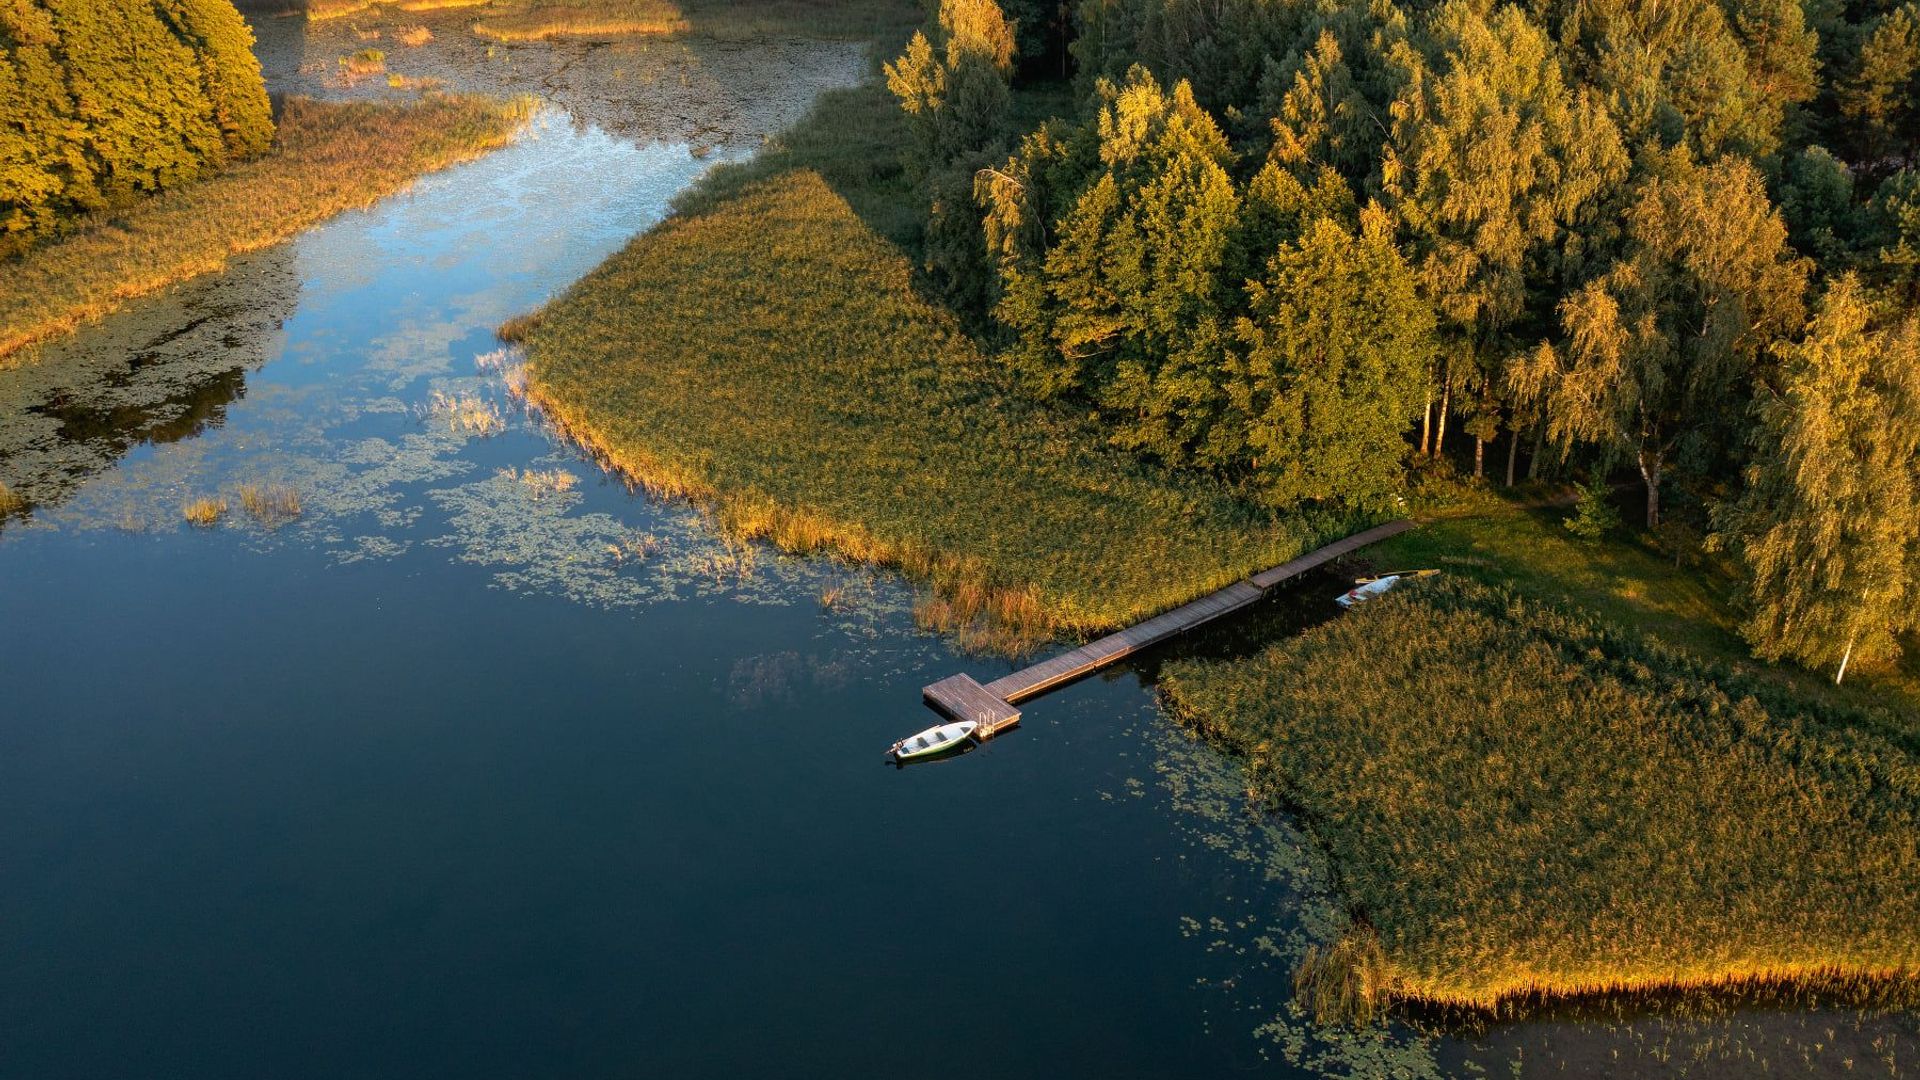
{"x": 102, "y": 100}
{"x": 1311, "y": 244}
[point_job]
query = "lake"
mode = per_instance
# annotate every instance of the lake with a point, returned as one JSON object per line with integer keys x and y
{"x": 483, "y": 766}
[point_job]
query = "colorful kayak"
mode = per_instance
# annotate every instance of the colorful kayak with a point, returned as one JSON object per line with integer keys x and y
{"x": 934, "y": 741}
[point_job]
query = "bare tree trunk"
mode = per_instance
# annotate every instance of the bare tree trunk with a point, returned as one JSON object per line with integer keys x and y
{"x": 1479, "y": 458}
{"x": 1539, "y": 451}
{"x": 1446, "y": 404}
{"x": 1845, "y": 660}
{"x": 1650, "y": 472}
{"x": 1426, "y": 422}
{"x": 1513, "y": 454}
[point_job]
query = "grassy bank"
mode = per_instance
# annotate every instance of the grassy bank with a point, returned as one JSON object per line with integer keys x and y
{"x": 765, "y": 352}
{"x": 1518, "y": 803}
{"x": 533, "y": 20}
{"x": 1629, "y": 583}
{"x": 326, "y": 158}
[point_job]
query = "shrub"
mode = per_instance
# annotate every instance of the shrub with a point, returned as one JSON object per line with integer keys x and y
{"x": 1594, "y": 515}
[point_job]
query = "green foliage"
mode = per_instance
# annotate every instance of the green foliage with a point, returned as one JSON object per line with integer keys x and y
{"x": 767, "y": 353}
{"x": 1593, "y": 518}
{"x": 1521, "y": 802}
{"x": 1659, "y": 345}
{"x": 1126, "y": 305}
{"x": 1337, "y": 346}
{"x": 104, "y": 100}
{"x": 1881, "y": 96}
{"x": 1829, "y": 524}
{"x": 954, "y": 87}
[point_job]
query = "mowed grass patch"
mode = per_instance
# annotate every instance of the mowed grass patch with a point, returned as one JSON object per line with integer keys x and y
{"x": 767, "y": 355}
{"x": 1520, "y": 803}
{"x": 1630, "y": 584}
{"x": 326, "y": 158}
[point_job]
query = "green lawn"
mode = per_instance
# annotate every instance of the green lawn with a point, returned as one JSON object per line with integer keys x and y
{"x": 1627, "y": 582}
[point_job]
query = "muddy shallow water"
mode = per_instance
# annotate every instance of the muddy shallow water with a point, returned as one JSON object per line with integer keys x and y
{"x": 483, "y": 766}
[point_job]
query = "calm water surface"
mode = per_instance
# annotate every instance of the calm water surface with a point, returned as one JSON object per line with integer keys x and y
{"x": 458, "y": 775}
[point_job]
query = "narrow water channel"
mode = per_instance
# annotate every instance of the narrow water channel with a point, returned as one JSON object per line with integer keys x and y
{"x": 481, "y": 766}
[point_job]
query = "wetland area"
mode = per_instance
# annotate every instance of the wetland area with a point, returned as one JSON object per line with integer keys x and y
{"x": 477, "y": 763}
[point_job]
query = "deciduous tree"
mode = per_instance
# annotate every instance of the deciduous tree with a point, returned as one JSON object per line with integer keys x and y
{"x": 1829, "y": 524}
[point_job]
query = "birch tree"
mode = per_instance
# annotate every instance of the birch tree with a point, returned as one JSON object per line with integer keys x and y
{"x": 1829, "y": 525}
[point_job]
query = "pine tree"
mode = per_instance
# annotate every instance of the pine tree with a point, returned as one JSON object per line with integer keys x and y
{"x": 1881, "y": 97}
{"x": 1336, "y": 347}
{"x": 1829, "y": 525}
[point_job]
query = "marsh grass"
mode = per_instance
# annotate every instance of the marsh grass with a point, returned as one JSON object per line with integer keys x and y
{"x": 366, "y": 62}
{"x": 272, "y": 505}
{"x": 466, "y": 413}
{"x": 10, "y": 503}
{"x": 542, "y": 483}
{"x": 326, "y": 158}
{"x": 413, "y": 36}
{"x": 204, "y": 512}
{"x": 635, "y": 548}
{"x": 1527, "y": 804}
{"x": 767, "y": 357}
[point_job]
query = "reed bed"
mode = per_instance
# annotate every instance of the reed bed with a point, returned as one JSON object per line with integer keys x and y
{"x": 769, "y": 358}
{"x": 326, "y": 158}
{"x": 204, "y": 513}
{"x": 1523, "y": 805}
{"x": 271, "y": 505}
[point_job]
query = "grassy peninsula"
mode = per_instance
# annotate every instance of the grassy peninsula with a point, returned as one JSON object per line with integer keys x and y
{"x": 1521, "y": 802}
{"x": 1076, "y": 353}
{"x": 768, "y": 355}
{"x": 325, "y": 158}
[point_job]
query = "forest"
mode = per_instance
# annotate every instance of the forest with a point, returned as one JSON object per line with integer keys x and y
{"x": 105, "y": 100}
{"x": 1315, "y": 249}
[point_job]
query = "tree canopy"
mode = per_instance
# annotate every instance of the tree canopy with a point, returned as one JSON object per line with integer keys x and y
{"x": 103, "y": 100}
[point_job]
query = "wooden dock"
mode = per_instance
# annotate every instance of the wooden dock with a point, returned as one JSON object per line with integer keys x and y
{"x": 992, "y": 705}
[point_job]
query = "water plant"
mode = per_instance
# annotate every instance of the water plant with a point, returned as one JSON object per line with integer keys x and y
{"x": 204, "y": 512}
{"x": 271, "y": 505}
{"x": 466, "y": 412}
{"x": 364, "y": 62}
{"x": 1523, "y": 803}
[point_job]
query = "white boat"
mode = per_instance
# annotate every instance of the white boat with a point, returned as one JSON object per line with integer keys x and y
{"x": 934, "y": 741}
{"x": 1372, "y": 588}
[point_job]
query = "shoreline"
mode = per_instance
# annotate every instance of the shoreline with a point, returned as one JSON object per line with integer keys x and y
{"x": 337, "y": 157}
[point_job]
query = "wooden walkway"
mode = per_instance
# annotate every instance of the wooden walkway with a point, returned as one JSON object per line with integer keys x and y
{"x": 992, "y": 705}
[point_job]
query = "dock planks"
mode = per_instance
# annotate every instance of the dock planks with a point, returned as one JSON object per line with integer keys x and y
{"x": 992, "y": 705}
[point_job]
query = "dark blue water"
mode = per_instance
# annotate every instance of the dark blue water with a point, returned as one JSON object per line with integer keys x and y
{"x": 458, "y": 775}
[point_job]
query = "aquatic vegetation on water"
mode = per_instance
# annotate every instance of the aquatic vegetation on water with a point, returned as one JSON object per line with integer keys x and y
{"x": 1524, "y": 804}
{"x": 272, "y": 505}
{"x": 204, "y": 512}
{"x": 466, "y": 412}
{"x": 364, "y": 62}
